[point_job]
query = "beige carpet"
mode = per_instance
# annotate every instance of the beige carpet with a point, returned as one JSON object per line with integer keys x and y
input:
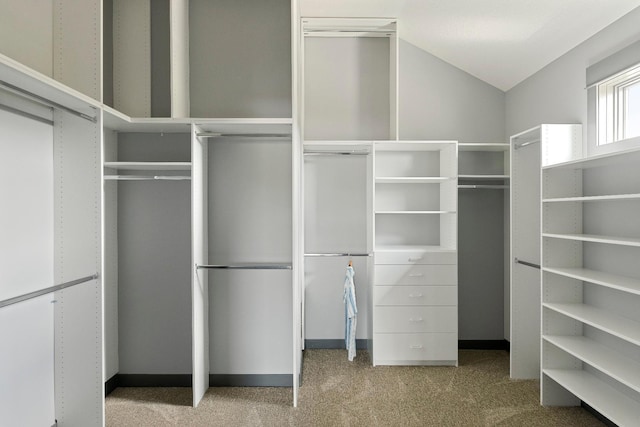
{"x": 336, "y": 392}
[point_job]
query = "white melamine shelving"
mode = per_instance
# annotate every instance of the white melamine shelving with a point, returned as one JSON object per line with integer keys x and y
{"x": 415, "y": 231}
{"x": 591, "y": 285}
{"x": 605, "y": 399}
{"x": 623, "y": 369}
{"x": 149, "y": 166}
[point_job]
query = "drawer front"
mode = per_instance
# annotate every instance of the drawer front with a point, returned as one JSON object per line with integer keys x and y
{"x": 415, "y": 295}
{"x": 416, "y": 257}
{"x": 416, "y": 275}
{"x": 415, "y": 347}
{"x": 415, "y": 319}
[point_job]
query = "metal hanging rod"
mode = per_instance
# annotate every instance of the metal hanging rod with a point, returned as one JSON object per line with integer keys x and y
{"x": 25, "y": 114}
{"x": 337, "y": 254}
{"x": 242, "y": 135}
{"x": 483, "y": 186}
{"x": 146, "y": 178}
{"x": 528, "y": 264}
{"x": 524, "y": 144}
{"x": 338, "y": 153}
{"x": 44, "y": 101}
{"x": 41, "y": 292}
{"x": 244, "y": 266}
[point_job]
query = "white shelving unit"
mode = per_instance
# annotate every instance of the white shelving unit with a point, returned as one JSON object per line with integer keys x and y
{"x": 414, "y": 290}
{"x": 591, "y": 285}
{"x": 483, "y": 163}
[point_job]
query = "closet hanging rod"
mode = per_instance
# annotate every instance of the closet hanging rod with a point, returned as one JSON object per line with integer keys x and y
{"x": 339, "y": 254}
{"x": 44, "y": 101}
{"x": 146, "y": 178}
{"x": 244, "y": 266}
{"x": 485, "y": 186}
{"x": 527, "y": 263}
{"x": 242, "y": 135}
{"x": 337, "y": 153}
{"x": 25, "y": 114}
{"x": 524, "y": 144}
{"x": 44, "y": 291}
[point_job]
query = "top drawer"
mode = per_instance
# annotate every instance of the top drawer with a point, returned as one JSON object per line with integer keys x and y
{"x": 416, "y": 257}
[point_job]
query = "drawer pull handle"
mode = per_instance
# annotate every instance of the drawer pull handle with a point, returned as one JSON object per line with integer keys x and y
{"x": 416, "y": 296}
{"x": 415, "y": 259}
{"x": 416, "y": 320}
{"x": 416, "y": 275}
{"x": 416, "y": 346}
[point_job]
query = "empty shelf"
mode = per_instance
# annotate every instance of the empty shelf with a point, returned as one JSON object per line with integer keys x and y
{"x": 634, "y": 196}
{"x": 611, "y": 403}
{"x": 621, "y": 327}
{"x": 140, "y": 166}
{"x": 412, "y": 180}
{"x": 483, "y": 177}
{"x": 483, "y": 146}
{"x": 611, "y": 240}
{"x": 413, "y": 212}
{"x": 621, "y": 368}
{"x": 621, "y": 283}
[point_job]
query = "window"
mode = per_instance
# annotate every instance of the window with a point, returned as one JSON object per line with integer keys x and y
{"x": 618, "y": 107}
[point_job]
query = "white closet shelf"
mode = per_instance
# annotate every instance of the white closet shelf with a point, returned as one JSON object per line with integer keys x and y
{"x": 621, "y": 327}
{"x": 619, "y": 157}
{"x": 621, "y": 368}
{"x": 632, "y": 196}
{"x": 614, "y": 405}
{"x": 611, "y": 240}
{"x": 399, "y": 146}
{"x": 481, "y": 177}
{"x": 483, "y": 146}
{"x": 416, "y": 248}
{"x": 613, "y": 281}
{"x": 413, "y": 180}
{"x": 413, "y": 212}
{"x": 149, "y": 166}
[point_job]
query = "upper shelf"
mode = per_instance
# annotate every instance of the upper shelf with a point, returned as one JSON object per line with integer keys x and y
{"x": 149, "y": 166}
{"x": 483, "y": 146}
{"x": 633, "y": 196}
{"x": 485, "y": 177}
{"x": 412, "y": 179}
{"x": 627, "y": 156}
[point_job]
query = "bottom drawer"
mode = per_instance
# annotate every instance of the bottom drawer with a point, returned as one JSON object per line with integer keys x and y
{"x": 415, "y": 347}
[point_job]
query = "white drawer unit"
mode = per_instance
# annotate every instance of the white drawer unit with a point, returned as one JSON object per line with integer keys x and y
{"x": 414, "y": 302}
{"x": 416, "y": 274}
{"x": 415, "y": 349}
{"x": 415, "y": 295}
{"x": 399, "y": 319}
{"x": 416, "y": 257}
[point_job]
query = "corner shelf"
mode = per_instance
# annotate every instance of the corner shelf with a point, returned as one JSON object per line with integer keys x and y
{"x": 413, "y": 180}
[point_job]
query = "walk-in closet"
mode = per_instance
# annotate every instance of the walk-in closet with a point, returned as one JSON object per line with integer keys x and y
{"x": 190, "y": 188}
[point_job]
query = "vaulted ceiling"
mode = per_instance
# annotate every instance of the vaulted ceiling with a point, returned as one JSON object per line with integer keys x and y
{"x": 499, "y": 41}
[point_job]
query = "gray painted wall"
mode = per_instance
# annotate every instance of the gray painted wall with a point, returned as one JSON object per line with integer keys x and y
{"x": 556, "y": 94}
{"x": 154, "y": 261}
{"x": 440, "y": 101}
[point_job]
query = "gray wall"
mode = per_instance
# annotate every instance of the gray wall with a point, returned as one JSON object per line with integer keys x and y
{"x": 440, "y": 101}
{"x": 154, "y": 261}
{"x": 556, "y": 94}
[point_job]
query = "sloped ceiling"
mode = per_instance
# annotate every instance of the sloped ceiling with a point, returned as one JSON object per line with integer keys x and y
{"x": 499, "y": 41}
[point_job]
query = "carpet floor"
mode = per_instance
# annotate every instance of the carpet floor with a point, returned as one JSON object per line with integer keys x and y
{"x": 336, "y": 392}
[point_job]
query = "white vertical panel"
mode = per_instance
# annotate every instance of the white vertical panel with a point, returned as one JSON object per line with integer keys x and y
{"x": 560, "y": 143}
{"x": 199, "y": 288}
{"x": 77, "y": 46}
{"x": 26, "y": 363}
{"x": 26, "y": 216}
{"x": 525, "y": 245}
{"x": 77, "y": 253}
{"x": 394, "y": 84}
{"x": 179, "y": 58}
{"x": 110, "y": 268}
{"x": 132, "y": 57}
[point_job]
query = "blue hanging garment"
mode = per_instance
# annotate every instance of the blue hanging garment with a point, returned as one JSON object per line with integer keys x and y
{"x": 350, "y": 313}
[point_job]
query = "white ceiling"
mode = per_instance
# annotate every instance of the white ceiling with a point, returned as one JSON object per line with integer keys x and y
{"x": 499, "y": 41}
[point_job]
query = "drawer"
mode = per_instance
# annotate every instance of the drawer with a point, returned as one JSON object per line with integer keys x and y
{"x": 416, "y": 257}
{"x": 415, "y": 347}
{"x": 390, "y": 319}
{"x": 416, "y": 274}
{"x": 415, "y": 295}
